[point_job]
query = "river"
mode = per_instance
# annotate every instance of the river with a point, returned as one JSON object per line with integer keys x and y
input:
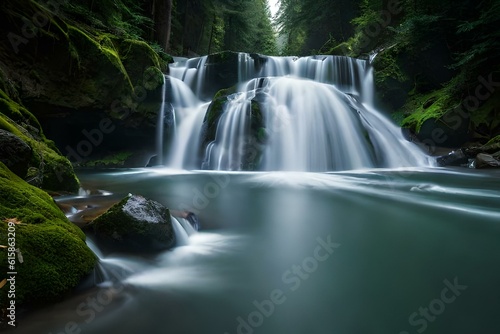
{"x": 402, "y": 250}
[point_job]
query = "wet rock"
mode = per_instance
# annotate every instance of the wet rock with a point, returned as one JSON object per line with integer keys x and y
{"x": 479, "y": 154}
{"x": 14, "y": 153}
{"x": 189, "y": 216}
{"x": 52, "y": 255}
{"x": 487, "y": 161}
{"x": 454, "y": 158}
{"x": 135, "y": 224}
{"x": 253, "y": 145}
{"x": 473, "y": 151}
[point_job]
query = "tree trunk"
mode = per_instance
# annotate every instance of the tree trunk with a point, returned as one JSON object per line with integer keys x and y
{"x": 162, "y": 14}
{"x": 212, "y": 34}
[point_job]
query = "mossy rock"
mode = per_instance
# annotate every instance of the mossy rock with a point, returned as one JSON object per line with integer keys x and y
{"x": 213, "y": 114}
{"x": 53, "y": 250}
{"x": 253, "y": 145}
{"x": 114, "y": 160}
{"x": 14, "y": 153}
{"x": 135, "y": 224}
{"x": 221, "y": 72}
{"x": 55, "y": 171}
{"x": 139, "y": 60}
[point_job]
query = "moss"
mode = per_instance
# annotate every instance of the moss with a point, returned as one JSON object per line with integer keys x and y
{"x": 153, "y": 78}
{"x": 55, "y": 171}
{"x": 112, "y": 160}
{"x": 141, "y": 61}
{"x": 487, "y": 114}
{"x": 342, "y": 49}
{"x": 20, "y": 115}
{"x": 122, "y": 231}
{"x": 91, "y": 47}
{"x": 494, "y": 140}
{"x": 54, "y": 253}
{"x": 421, "y": 108}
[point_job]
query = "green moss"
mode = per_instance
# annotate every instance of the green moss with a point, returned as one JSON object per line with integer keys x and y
{"x": 54, "y": 253}
{"x": 123, "y": 231}
{"x": 96, "y": 48}
{"x": 487, "y": 114}
{"x": 494, "y": 140}
{"x": 342, "y": 49}
{"x": 55, "y": 171}
{"x": 114, "y": 160}
{"x": 153, "y": 78}
{"x": 421, "y": 108}
{"x": 19, "y": 114}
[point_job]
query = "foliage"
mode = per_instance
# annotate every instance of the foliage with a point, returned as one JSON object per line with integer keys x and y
{"x": 124, "y": 18}
{"x": 308, "y": 24}
{"x": 217, "y": 25}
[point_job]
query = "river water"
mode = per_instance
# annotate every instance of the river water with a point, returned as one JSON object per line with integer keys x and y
{"x": 406, "y": 250}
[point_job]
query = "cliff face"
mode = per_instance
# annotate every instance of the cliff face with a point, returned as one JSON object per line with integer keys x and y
{"x": 72, "y": 76}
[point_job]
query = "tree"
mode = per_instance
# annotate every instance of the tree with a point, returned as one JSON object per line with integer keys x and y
{"x": 162, "y": 15}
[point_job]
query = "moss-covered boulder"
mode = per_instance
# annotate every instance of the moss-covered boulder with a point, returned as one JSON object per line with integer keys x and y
{"x": 224, "y": 69}
{"x": 135, "y": 224}
{"x": 48, "y": 252}
{"x": 253, "y": 144}
{"x": 53, "y": 171}
{"x": 14, "y": 153}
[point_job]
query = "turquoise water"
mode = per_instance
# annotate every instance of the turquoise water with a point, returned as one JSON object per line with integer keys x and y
{"x": 372, "y": 251}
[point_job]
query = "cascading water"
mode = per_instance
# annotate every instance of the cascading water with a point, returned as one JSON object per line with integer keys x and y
{"x": 304, "y": 114}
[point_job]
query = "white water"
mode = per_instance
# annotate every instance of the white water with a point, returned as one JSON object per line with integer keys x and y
{"x": 411, "y": 230}
{"x": 181, "y": 235}
{"x": 160, "y": 126}
{"x": 318, "y": 111}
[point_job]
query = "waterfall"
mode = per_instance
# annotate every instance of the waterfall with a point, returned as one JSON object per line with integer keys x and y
{"x": 160, "y": 126}
{"x": 312, "y": 113}
{"x": 181, "y": 235}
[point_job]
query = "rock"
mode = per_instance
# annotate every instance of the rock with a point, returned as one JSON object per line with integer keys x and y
{"x": 14, "y": 153}
{"x": 135, "y": 224}
{"x": 487, "y": 161}
{"x": 223, "y": 69}
{"x": 454, "y": 158}
{"x": 445, "y": 131}
{"x": 52, "y": 256}
{"x": 189, "y": 216}
{"x": 473, "y": 151}
{"x": 252, "y": 147}
{"x": 54, "y": 172}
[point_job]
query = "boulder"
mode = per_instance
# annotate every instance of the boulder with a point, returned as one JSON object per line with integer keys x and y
{"x": 252, "y": 147}
{"x": 14, "y": 153}
{"x": 487, "y": 161}
{"x": 454, "y": 158}
{"x": 53, "y": 171}
{"x": 135, "y": 224}
{"x": 51, "y": 256}
{"x": 223, "y": 68}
